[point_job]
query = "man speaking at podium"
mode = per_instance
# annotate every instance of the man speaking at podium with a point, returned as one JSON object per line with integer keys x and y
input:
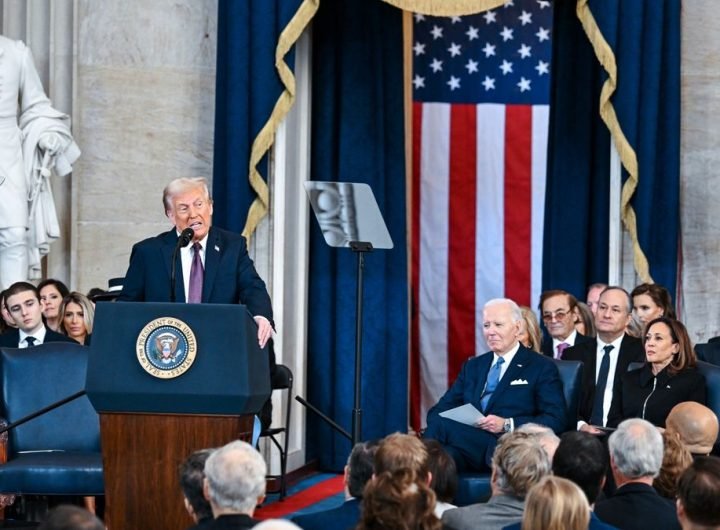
{"x": 214, "y": 267}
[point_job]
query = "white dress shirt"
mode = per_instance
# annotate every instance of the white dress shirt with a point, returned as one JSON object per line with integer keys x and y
{"x": 39, "y": 335}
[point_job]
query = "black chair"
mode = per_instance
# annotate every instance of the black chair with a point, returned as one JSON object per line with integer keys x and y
{"x": 282, "y": 379}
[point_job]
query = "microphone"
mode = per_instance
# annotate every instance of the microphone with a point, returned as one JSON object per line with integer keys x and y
{"x": 183, "y": 241}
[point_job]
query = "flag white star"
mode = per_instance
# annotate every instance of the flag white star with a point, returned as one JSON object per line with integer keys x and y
{"x": 506, "y": 34}
{"x": 419, "y": 49}
{"x": 419, "y": 82}
{"x": 543, "y": 3}
{"x": 525, "y": 18}
{"x": 506, "y": 67}
{"x": 524, "y": 51}
{"x": 542, "y": 68}
{"x": 489, "y": 49}
{"x": 436, "y": 65}
{"x": 472, "y": 66}
{"x": 490, "y": 17}
{"x": 436, "y": 32}
{"x": 454, "y": 49}
{"x": 419, "y": 17}
{"x": 455, "y": 20}
{"x": 489, "y": 83}
{"x": 509, "y": 3}
{"x": 524, "y": 84}
{"x": 543, "y": 34}
{"x": 472, "y": 33}
{"x": 454, "y": 82}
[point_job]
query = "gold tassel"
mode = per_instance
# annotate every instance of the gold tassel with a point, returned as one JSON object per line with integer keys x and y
{"x": 446, "y": 8}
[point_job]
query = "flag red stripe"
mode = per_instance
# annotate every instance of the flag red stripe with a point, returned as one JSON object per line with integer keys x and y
{"x": 461, "y": 236}
{"x": 518, "y": 202}
{"x": 415, "y": 419}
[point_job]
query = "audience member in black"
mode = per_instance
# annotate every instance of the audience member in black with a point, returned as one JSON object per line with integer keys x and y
{"x": 697, "y": 426}
{"x": 77, "y": 314}
{"x": 52, "y": 293}
{"x": 668, "y": 377}
{"x": 192, "y": 476}
{"x": 67, "y": 517}
{"x": 6, "y": 322}
{"x": 698, "y": 500}
{"x": 651, "y": 301}
{"x": 444, "y": 481}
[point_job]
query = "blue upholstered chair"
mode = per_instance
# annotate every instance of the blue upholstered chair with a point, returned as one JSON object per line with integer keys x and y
{"x": 475, "y": 487}
{"x": 57, "y": 453}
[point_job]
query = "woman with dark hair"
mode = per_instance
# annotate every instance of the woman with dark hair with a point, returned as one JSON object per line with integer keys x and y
{"x": 52, "y": 293}
{"x": 651, "y": 301}
{"x": 585, "y": 320}
{"x": 444, "y": 481}
{"x": 77, "y": 313}
{"x": 6, "y": 322}
{"x": 669, "y": 376}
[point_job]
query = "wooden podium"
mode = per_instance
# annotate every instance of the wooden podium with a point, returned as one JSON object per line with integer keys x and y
{"x": 156, "y": 407}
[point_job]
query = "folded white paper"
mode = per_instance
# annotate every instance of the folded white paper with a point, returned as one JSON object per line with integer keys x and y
{"x": 466, "y": 414}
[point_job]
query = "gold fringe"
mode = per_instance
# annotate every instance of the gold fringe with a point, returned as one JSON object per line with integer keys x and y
{"x": 605, "y": 55}
{"x": 265, "y": 138}
{"x": 446, "y": 8}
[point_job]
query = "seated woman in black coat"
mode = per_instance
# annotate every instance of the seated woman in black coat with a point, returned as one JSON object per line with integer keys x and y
{"x": 668, "y": 377}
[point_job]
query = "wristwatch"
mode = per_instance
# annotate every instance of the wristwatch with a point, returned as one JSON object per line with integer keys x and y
{"x": 507, "y": 425}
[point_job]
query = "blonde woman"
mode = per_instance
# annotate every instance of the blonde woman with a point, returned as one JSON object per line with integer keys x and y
{"x": 530, "y": 335}
{"x": 77, "y": 313}
{"x": 556, "y": 503}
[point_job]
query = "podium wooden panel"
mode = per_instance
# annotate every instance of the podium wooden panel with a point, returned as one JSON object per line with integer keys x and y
{"x": 141, "y": 455}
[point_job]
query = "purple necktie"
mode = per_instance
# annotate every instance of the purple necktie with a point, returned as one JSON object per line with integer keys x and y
{"x": 196, "y": 276}
{"x": 561, "y": 349}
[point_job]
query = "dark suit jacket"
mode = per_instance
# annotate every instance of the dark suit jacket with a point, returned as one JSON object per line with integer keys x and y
{"x": 631, "y": 350}
{"x": 637, "y": 506}
{"x": 547, "y": 345}
{"x": 230, "y": 276}
{"x": 233, "y": 522}
{"x": 11, "y": 338}
{"x": 343, "y": 517}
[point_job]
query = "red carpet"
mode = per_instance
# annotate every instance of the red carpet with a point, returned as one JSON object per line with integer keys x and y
{"x": 302, "y": 499}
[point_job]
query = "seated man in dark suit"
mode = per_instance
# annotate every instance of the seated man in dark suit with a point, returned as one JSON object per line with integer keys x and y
{"x": 559, "y": 311}
{"x": 698, "y": 500}
{"x": 605, "y": 358}
{"x": 23, "y": 303}
{"x": 215, "y": 268}
{"x": 510, "y": 385}
{"x": 696, "y": 425}
{"x": 636, "y": 454}
{"x": 358, "y": 471}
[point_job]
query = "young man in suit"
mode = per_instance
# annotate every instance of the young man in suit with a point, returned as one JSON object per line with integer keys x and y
{"x": 559, "y": 312}
{"x": 214, "y": 268}
{"x": 510, "y": 385}
{"x": 605, "y": 358}
{"x": 22, "y": 301}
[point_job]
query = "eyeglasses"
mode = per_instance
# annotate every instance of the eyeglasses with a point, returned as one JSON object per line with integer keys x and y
{"x": 557, "y": 315}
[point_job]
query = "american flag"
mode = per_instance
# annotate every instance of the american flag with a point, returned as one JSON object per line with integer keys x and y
{"x": 480, "y": 123}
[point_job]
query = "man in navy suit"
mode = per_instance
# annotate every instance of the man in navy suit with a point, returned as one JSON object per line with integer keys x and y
{"x": 510, "y": 385}
{"x": 226, "y": 272}
{"x": 22, "y": 301}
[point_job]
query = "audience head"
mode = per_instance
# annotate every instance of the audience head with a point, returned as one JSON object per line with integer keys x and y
{"x": 518, "y": 463}
{"x": 555, "y": 503}
{"x": 192, "y": 476}
{"x": 67, "y": 517}
{"x": 77, "y": 314}
{"x": 23, "y": 303}
{"x": 676, "y": 459}
{"x": 696, "y": 425}
{"x": 443, "y": 471}
{"x": 585, "y": 323}
{"x": 545, "y": 436}
{"x": 559, "y": 312}
{"x": 7, "y": 321}
{"x": 583, "y": 459}
{"x": 635, "y": 328}
{"x": 667, "y": 343}
{"x": 530, "y": 335}
{"x": 359, "y": 468}
{"x": 502, "y": 321}
{"x": 402, "y": 451}
{"x": 613, "y": 313}
{"x": 51, "y": 293}
{"x": 593, "y": 296}
{"x": 651, "y": 301}
{"x": 188, "y": 204}
{"x": 698, "y": 496}
{"x": 636, "y": 451}
{"x": 276, "y": 524}
{"x": 235, "y": 479}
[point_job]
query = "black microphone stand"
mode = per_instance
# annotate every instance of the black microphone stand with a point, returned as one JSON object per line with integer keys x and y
{"x": 183, "y": 241}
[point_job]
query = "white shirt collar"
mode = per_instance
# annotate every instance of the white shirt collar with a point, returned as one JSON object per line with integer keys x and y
{"x": 39, "y": 335}
{"x": 569, "y": 340}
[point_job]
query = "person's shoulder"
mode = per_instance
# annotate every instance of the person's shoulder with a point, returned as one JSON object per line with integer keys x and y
{"x": 220, "y": 234}
{"x": 580, "y": 349}
{"x": 10, "y": 338}
{"x": 54, "y": 336}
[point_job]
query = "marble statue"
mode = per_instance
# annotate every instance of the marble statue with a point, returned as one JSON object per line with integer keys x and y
{"x": 35, "y": 141}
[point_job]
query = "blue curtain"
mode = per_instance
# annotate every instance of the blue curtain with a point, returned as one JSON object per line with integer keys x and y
{"x": 357, "y": 136}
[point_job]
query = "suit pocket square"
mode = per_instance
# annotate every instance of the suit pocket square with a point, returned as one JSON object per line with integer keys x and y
{"x": 519, "y": 382}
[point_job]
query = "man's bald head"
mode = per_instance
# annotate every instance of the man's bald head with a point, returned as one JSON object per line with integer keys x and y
{"x": 696, "y": 424}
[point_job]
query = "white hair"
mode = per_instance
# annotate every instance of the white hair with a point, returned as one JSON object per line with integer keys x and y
{"x": 181, "y": 185}
{"x": 276, "y": 524}
{"x": 236, "y": 477}
{"x": 515, "y": 311}
{"x": 636, "y": 448}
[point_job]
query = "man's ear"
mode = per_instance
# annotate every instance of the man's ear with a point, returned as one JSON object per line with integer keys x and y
{"x": 206, "y": 489}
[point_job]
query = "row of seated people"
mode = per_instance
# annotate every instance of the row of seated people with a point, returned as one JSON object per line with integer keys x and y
{"x": 47, "y": 313}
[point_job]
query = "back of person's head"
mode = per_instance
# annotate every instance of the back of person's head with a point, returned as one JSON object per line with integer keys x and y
{"x": 67, "y": 517}
{"x": 676, "y": 459}
{"x": 699, "y": 494}
{"x": 636, "y": 449}
{"x": 518, "y": 463}
{"x": 276, "y": 524}
{"x": 360, "y": 467}
{"x": 401, "y": 451}
{"x": 545, "y": 436}
{"x": 442, "y": 467}
{"x": 582, "y": 458}
{"x": 398, "y": 499}
{"x": 235, "y": 478}
{"x": 192, "y": 475}
{"x": 696, "y": 425}
{"x": 556, "y": 503}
